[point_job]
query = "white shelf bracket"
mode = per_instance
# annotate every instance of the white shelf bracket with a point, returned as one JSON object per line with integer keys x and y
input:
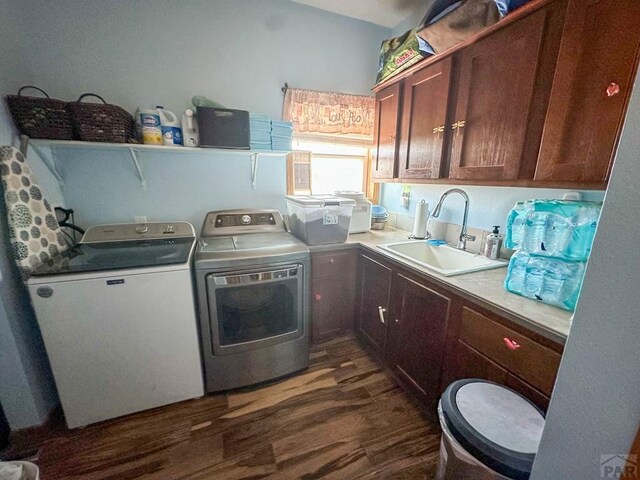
{"x": 254, "y": 169}
{"x": 49, "y": 163}
{"x": 134, "y": 157}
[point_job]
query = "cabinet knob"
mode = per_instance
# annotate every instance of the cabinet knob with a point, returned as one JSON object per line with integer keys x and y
{"x": 438, "y": 129}
{"x": 397, "y": 320}
{"x": 613, "y": 89}
{"x": 381, "y": 312}
{"x": 392, "y": 137}
{"x": 332, "y": 260}
{"x": 318, "y": 297}
{"x": 511, "y": 344}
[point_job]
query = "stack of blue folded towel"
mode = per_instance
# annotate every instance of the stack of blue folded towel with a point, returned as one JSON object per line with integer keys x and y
{"x": 281, "y": 133}
{"x": 267, "y": 134}
{"x": 259, "y": 132}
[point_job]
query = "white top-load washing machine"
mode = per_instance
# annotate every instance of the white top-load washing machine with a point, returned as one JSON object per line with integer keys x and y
{"x": 118, "y": 319}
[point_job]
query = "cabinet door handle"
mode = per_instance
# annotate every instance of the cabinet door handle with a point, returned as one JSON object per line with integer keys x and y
{"x": 332, "y": 260}
{"x": 381, "y": 312}
{"x": 397, "y": 320}
{"x": 318, "y": 297}
{"x": 511, "y": 344}
{"x": 439, "y": 129}
{"x": 613, "y": 89}
{"x": 392, "y": 137}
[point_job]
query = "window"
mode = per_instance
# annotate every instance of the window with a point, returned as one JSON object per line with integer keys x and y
{"x": 322, "y": 167}
{"x": 331, "y": 142}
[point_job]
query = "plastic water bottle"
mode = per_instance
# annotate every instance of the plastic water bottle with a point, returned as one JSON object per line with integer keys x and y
{"x": 535, "y": 227}
{"x": 516, "y": 226}
{"x": 556, "y": 274}
{"x": 516, "y": 272}
{"x": 534, "y": 278}
{"x": 557, "y": 234}
{"x": 586, "y": 222}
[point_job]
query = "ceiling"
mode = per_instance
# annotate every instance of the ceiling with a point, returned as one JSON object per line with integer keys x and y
{"x": 387, "y": 13}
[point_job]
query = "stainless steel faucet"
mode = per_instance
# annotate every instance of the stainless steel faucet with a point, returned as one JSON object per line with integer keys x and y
{"x": 464, "y": 236}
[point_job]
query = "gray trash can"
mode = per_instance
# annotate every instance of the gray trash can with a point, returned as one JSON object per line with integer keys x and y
{"x": 489, "y": 432}
{"x": 19, "y": 471}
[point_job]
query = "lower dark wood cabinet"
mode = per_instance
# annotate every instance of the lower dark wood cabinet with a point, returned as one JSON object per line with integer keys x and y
{"x": 429, "y": 337}
{"x": 332, "y": 307}
{"x": 373, "y": 302}
{"x": 416, "y": 336}
{"x": 333, "y": 287}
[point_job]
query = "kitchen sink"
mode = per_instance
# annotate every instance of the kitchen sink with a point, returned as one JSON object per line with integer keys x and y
{"x": 445, "y": 260}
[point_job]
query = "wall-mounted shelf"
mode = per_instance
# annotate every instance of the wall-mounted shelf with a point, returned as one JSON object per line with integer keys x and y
{"x": 57, "y": 146}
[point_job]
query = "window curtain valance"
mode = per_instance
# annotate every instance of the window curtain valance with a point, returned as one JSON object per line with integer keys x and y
{"x": 327, "y": 112}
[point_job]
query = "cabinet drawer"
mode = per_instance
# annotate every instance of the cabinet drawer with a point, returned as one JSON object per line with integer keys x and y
{"x": 332, "y": 264}
{"x": 534, "y": 363}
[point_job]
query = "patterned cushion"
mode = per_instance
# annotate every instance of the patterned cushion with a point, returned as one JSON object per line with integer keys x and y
{"x": 34, "y": 232}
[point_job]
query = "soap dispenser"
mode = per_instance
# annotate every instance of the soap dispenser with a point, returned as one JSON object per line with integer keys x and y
{"x": 493, "y": 244}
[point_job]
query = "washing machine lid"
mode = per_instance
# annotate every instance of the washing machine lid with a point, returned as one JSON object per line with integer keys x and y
{"x": 119, "y": 255}
{"x": 496, "y": 425}
{"x": 123, "y": 246}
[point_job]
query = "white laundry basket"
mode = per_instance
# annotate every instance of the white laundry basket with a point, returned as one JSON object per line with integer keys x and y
{"x": 489, "y": 432}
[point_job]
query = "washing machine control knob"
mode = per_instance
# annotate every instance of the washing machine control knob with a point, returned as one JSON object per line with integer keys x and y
{"x": 246, "y": 219}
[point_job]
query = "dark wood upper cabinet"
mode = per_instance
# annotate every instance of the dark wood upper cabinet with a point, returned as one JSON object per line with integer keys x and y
{"x": 537, "y": 99}
{"x": 593, "y": 80}
{"x": 498, "y": 93}
{"x": 386, "y": 132}
{"x": 416, "y": 336}
{"x": 424, "y": 122}
{"x": 374, "y": 297}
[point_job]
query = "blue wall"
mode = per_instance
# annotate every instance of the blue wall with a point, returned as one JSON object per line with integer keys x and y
{"x": 488, "y": 206}
{"x": 159, "y": 52}
{"x": 104, "y": 187}
{"x": 27, "y": 392}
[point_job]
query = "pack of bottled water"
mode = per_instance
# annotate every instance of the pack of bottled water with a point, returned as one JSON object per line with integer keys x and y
{"x": 553, "y": 240}
{"x": 553, "y": 228}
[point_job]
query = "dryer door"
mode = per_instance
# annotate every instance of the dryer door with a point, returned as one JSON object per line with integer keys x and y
{"x": 255, "y": 309}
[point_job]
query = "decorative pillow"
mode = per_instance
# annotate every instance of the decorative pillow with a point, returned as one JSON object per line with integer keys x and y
{"x": 34, "y": 232}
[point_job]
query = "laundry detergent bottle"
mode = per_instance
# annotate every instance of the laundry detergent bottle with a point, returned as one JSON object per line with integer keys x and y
{"x": 150, "y": 127}
{"x": 189, "y": 129}
{"x": 171, "y": 130}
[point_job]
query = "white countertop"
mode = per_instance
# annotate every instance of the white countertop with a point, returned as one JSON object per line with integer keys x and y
{"x": 486, "y": 287}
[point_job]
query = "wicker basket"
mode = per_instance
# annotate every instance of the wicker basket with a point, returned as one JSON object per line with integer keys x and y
{"x": 40, "y": 117}
{"x": 95, "y": 122}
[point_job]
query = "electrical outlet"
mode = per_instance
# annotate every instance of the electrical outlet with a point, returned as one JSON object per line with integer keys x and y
{"x": 140, "y": 219}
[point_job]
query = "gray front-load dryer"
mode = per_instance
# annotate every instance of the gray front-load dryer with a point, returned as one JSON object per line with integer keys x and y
{"x": 252, "y": 280}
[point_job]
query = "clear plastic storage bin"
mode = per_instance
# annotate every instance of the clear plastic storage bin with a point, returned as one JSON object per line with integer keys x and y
{"x": 319, "y": 219}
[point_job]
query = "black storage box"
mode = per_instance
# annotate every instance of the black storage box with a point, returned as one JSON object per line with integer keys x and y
{"x": 223, "y": 128}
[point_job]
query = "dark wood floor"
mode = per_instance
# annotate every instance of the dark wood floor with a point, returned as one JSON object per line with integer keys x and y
{"x": 344, "y": 418}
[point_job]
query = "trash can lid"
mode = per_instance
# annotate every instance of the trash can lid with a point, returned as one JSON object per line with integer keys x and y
{"x": 496, "y": 425}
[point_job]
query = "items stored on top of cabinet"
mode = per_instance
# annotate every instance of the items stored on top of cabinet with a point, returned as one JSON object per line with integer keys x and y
{"x": 520, "y": 107}
{"x": 445, "y": 24}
